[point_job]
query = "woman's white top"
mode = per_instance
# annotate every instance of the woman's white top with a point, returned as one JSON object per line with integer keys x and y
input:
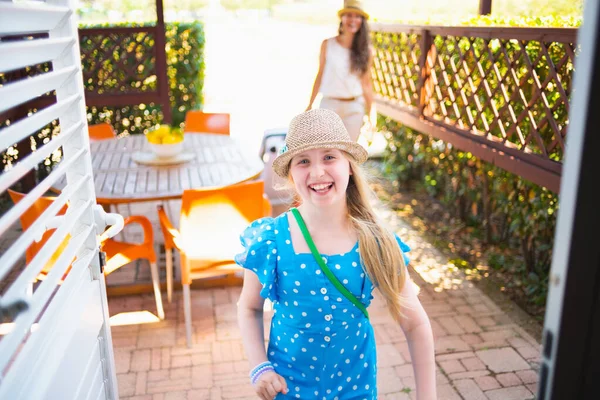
{"x": 337, "y": 80}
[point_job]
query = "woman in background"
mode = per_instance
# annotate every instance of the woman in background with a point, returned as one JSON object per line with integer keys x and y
{"x": 344, "y": 78}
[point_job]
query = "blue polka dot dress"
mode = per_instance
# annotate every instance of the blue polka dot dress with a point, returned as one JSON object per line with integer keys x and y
{"x": 320, "y": 342}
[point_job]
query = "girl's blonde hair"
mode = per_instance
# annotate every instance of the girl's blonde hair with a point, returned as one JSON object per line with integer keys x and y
{"x": 379, "y": 251}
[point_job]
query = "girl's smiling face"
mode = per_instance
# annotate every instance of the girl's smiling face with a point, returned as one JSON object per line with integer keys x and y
{"x": 321, "y": 176}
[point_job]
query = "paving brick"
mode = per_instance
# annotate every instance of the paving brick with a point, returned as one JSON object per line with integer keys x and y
{"x": 122, "y": 360}
{"x": 126, "y": 383}
{"x": 198, "y": 394}
{"x": 165, "y": 358}
{"x": 450, "y": 325}
{"x": 473, "y": 364}
{"x": 502, "y": 360}
{"x": 485, "y": 321}
{"x": 404, "y": 371}
{"x": 447, "y": 392}
{"x": 202, "y": 376}
{"x": 511, "y": 393}
{"x": 450, "y": 344}
{"x": 487, "y": 383}
{"x": 469, "y": 390}
{"x": 181, "y": 361}
{"x": 159, "y": 375}
{"x": 140, "y": 360}
{"x": 387, "y": 381}
{"x": 468, "y": 374}
{"x": 451, "y": 366}
{"x": 178, "y": 395}
{"x": 169, "y": 385}
{"x": 468, "y": 324}
{"x": 508, "y": 379}
{"x": 178, "y": 373}
{"x": 140, "y": 383}
{"x": 528, "y": 376}
{"x": 528, "y": 352}
{"x": 155, "y": 361}
{"x": 388, "y": 356}
{"x": 454, "y": 356}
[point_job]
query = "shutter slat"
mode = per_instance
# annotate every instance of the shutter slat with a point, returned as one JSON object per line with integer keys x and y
{"x": 15, "y": 252}
{"x": 13, "y": 94}
{"x": 33, "y": 357}
{"x": 25, "y": 127}
{"x": 31, "y": 161}
{"x": 16, "y": 55}
{"x": 30, "y": 17}
{"x": 10, "y": 343}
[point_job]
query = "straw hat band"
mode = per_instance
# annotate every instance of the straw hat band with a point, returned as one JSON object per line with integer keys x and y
{"x": 353, "y": 6}
{"x": 316, "y": 129}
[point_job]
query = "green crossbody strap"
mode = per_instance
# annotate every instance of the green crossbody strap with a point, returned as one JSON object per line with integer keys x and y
{"x": 313, "y": 249}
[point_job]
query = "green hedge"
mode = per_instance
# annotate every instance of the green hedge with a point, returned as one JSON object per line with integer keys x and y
{"x": 185, "y": 70}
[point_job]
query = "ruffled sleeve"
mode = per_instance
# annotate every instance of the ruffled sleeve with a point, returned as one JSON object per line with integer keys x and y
{"x": 405, "y": 249}
{"x": 260, "y": 255}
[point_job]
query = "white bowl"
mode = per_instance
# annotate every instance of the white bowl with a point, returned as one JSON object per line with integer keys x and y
{"x": 166, "y": 150}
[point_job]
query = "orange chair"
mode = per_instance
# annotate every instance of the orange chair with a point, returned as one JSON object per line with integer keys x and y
{"x": 118, "y": 253}
{"x": 198, "y": 121}
{"x": 101, "y": 131}
{"x": 209, "y": 227}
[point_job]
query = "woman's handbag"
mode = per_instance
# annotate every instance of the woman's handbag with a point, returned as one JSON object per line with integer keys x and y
{"x": 313, "y": 249}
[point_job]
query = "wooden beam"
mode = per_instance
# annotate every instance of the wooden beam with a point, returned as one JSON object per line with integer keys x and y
{"x": 485, "y": 7}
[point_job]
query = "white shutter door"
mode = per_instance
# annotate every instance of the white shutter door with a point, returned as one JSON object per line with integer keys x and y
{"x": 60, "y": 346}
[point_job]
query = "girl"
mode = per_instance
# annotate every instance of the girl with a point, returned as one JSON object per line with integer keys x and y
{"x": 344, "y": 77}
{"x": 321, "y": 343}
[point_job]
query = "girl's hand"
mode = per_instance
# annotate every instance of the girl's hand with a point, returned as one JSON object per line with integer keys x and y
{"x": 269, "y": 384}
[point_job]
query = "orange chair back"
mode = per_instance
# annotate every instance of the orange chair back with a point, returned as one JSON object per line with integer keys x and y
{"x": 212, "y": 220}
{"x": 29, "y": 217}
{"x": 198, "y": 121}
{"x": 101, "y": 131}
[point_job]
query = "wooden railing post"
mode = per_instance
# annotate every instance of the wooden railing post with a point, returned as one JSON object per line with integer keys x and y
{"x": 426, "y": 46}
{"x": 161, "y": 64}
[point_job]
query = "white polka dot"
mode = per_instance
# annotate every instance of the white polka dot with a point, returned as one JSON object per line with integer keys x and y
{"x": 302, "y": 266}
{"x": 354, "y": 264}
{"x": 252, "y": 252}
{"x": 318, "y": 272}
{"x": 307, "y": 325}
{"x": 338, "y": 266}
{"x": 297, "y": 283}
{"x": 345, "y": 281}
{"x": 287, "y": 241}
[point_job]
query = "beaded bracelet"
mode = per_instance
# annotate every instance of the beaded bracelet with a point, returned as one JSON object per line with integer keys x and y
{"x": 259, "y": 373}
{"x": 259, "y": 370}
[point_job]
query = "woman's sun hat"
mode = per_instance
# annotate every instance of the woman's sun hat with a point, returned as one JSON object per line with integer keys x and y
{"x": 318, "y": 128}
{"x": 354, "y": 6}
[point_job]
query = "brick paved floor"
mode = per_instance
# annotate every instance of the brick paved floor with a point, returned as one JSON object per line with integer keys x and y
{"x": 480, "y": 352}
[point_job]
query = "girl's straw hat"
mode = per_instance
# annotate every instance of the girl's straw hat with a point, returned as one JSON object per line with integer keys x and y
{"x": 353, "y": 6}
{"x": 316, "y": 129}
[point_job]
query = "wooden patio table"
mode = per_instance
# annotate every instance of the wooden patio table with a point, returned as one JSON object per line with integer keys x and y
{"x": 218, "y": 161}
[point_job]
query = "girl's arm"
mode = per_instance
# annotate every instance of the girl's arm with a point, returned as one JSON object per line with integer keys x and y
{"x": 317, "y": 83}
{"x": 416, "y": 327}
{"x": 250, "y": 321}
